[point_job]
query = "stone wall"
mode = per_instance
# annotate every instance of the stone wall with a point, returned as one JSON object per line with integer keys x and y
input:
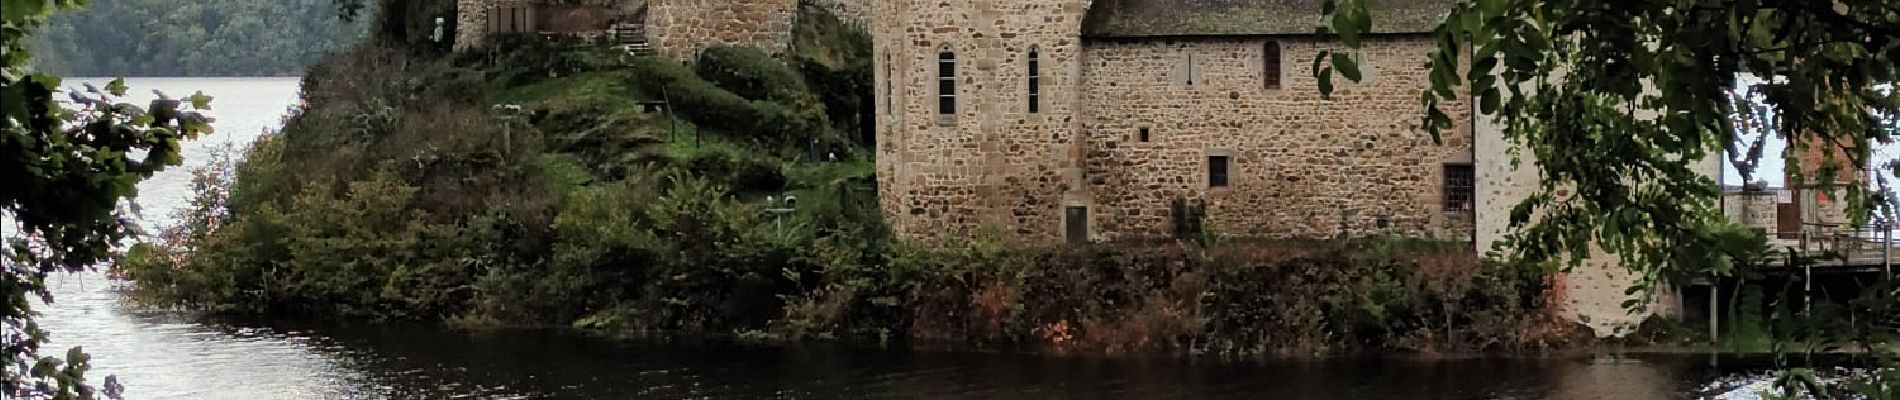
{"x": 1301, "y": 166}
{"x": 586, "y": 18}
{"x": 854, "y": 12}
{"x": 681, "y": 28}
{"x": 1752, "y": 208}
{"x": 1592, "y": 293}
{"x": 992, "y": 165}
{"x": 471, "y": 21}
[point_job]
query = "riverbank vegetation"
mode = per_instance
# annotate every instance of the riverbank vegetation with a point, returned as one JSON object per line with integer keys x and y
{"x": 538, "y": 183}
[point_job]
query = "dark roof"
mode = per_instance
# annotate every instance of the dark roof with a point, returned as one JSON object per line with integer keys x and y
{"x": 1141, "y": 18}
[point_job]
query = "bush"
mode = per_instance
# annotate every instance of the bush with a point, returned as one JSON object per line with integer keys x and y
{"x": 752, "y": 74}
{"x": 1227, "y": 299}
{"x": 711, "y": 107}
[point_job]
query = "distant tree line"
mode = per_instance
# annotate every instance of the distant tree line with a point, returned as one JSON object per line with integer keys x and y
{"x": 192, "y": 38}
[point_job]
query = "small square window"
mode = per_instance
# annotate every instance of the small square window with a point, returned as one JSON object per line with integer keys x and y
{"x": 1217, "y": 167}
{"x": 1143, "y": 136}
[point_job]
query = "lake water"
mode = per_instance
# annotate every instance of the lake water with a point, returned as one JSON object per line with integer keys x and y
{"x": 176, "y": 356}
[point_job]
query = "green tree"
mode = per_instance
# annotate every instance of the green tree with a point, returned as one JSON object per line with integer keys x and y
{"x": 1616, "y": 100}
{"x": 66, "y": 172}
{"x": 198, "y": 38}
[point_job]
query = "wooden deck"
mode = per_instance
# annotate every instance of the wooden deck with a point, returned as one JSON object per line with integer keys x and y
{"x": 1856, "y": 252}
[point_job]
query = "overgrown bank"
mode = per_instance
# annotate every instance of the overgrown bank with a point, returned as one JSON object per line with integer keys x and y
{"x": 409, "y": 189}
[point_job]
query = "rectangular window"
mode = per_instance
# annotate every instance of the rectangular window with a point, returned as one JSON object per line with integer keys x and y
{"x": 1217, "y": 171}
{"x": 1077, "y": 225}
{"x": 947, "y": 83}
{"x": 1143, "y": 135}
{"x": 1460, "y": 184}
{"x": 1035, "y": 82}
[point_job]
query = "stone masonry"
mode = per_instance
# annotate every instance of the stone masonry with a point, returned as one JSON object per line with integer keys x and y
{"x": 470, "y": 18}
{"x": 1300, "y": 166}
{"x": 992, "y": 164}
{"x": 680, "y": 29}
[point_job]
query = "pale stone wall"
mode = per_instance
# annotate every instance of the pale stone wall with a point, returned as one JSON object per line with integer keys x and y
{"x": 1594, "y": 292}
{"x": 1301, "y": 166}
{"x": 471, "y": 22}
{"x": 681, "y": 28}
{"x": 1753, "y": 209}
{"x": 993, "y": 164}
{"x": 854, "y": 12}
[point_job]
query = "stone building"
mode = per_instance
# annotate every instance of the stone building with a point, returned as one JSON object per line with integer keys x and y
{"x": 1056, "y": 121}
{"x": 675, "y": 28}
{"x": 1079, "y": 120}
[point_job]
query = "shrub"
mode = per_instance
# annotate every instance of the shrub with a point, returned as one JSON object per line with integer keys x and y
{"x": 711, "y": 107}
{"x": 751, "y": 74}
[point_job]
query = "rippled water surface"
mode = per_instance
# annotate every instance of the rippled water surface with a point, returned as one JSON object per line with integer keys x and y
{"x": 174, "y": 356}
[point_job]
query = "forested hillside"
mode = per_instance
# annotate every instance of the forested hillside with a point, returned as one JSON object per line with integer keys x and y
{"x": 192, "y": 38}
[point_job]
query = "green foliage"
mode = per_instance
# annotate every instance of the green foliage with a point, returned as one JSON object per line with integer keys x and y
{"x": 751, "y": 74}
{"x": 67, "y": 168}
{"x": 403, "y": 196}
{"x": 1189, "y": 220}
{"x": 835, "y": 59}
{"x": 197, "y": 38}
{"x": 1228, "y": 299}
{"x": 713, "y": 108}
{"x": 1616, "y": 105}
{"x": 410, "y": 24}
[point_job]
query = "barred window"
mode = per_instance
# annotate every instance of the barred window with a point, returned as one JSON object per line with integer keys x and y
{"x": 1035, "y": 80}
{"x": 947, "y": 83}
{"x": 889, "y": 92}
{"x": 1217, "y": 171}
{"x": 1460, "y": 184}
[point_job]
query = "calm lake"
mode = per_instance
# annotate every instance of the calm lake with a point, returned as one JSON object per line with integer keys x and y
{"x": 174, "y": 356}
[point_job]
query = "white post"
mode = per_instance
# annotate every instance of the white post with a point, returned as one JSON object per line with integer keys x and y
{"x": 1715, "y": 319}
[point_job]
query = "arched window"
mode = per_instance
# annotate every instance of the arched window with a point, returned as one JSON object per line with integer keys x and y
{"x": 1270, "y": 65}
{"x": 1035, "y": 80}
{"x": 947, "y": 83}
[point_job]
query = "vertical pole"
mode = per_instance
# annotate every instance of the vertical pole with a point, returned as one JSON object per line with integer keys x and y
{"x": 672, "y": 121}
{"x": 1807, "y": 288}
{"x": 1715, "y": 318}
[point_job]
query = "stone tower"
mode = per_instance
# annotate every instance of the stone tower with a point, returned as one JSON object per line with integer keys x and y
{"x": 963, "y": 144}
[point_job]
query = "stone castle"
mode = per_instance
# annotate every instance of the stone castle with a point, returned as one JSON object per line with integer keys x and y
{"x": 1081, "y": 121}
{"x": 1078, "y": 121}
